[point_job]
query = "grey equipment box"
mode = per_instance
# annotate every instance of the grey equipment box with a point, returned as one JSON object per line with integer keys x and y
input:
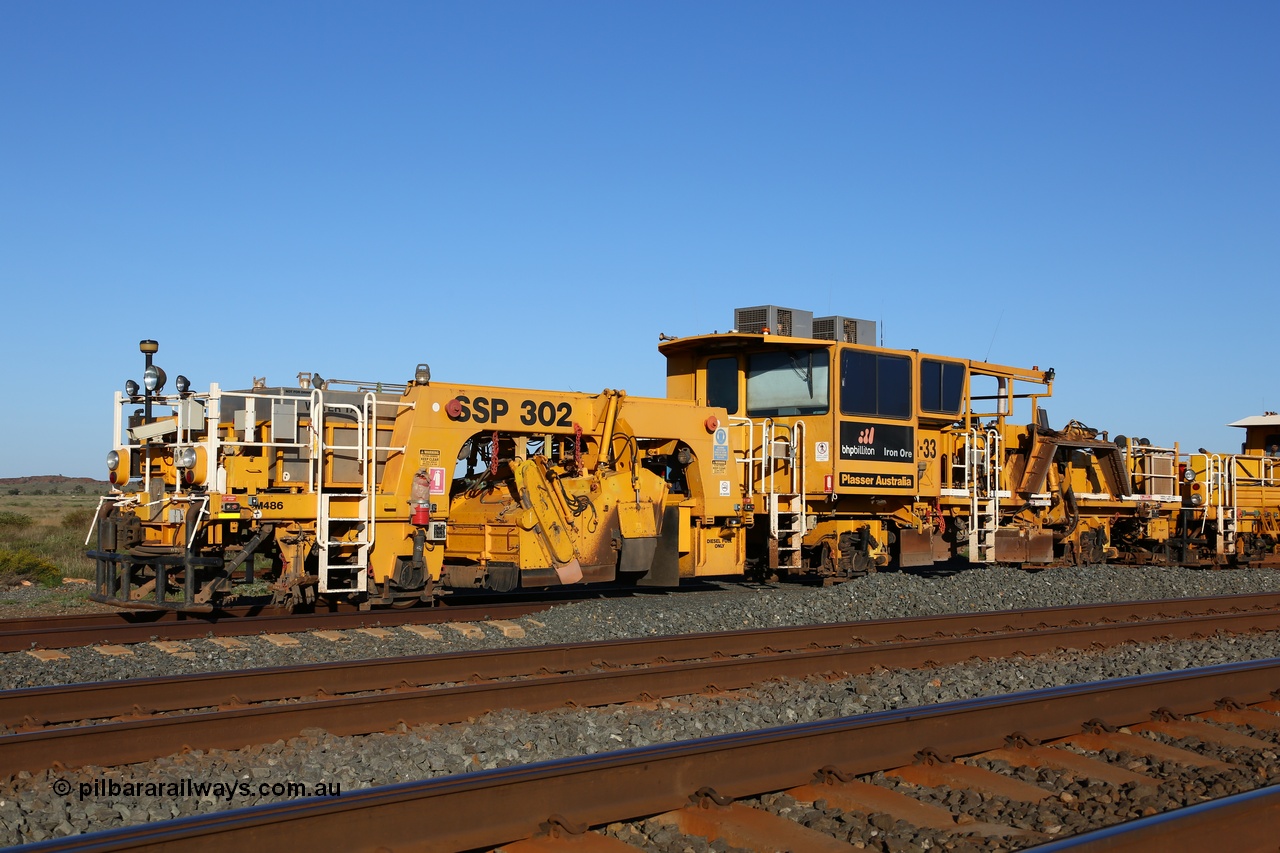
{"x": 789, "y": 322}
{"x": 845, "y": 329}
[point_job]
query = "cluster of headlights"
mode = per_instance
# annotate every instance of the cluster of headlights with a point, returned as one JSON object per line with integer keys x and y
{"x": 153, "y": 379}
{"x": 185, "y": 459}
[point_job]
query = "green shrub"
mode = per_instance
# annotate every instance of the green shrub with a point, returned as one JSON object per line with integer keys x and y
{"x": 24, "y": 565}
{"x": 78, "y": 519}
{"x": 14, "y": 519}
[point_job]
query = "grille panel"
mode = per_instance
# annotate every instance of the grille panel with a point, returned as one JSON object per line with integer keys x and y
{"x": 790, "y": 322}
{"x": 845, "y": 329}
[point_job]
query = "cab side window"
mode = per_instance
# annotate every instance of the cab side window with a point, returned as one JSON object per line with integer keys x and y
{"x": 787, "y": 383}
{"x": 941, "y": 386}
{"x": 722, "y": 383}
{"x": 875, "y": 384}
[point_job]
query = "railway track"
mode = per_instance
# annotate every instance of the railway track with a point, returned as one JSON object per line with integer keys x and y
{"x": 135, "y": 626}
{"x": 64, "y": 632}
{"x": 741, "y": 788}
{"x": 125, "y": 627}
{"x": 112, "y": 723}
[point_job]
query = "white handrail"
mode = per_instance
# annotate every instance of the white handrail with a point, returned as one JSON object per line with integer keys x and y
{"x": 747, "y": 459}
{"x": 797, "y": 451}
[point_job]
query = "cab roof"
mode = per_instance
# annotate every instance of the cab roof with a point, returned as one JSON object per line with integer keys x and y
{"x": 735, "y": 341}
{"x": 1267, "y": 419}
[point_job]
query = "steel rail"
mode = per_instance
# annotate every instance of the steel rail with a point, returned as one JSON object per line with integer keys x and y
{"x": 493, "y": 807}
{"x": 130, "y": 741}
{"x": 40, "y": 706}
{"x": 1247, "y": 822}
{"x": 67, "y": 631}
{"x": 30, "y": 634}
{"x": 116, "y": 616}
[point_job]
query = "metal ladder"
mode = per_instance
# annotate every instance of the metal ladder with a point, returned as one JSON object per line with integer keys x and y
{"x": 982, "y": 453}
{"x": 788, "y": 522}
{"x": 788, "y": 519}
{"x": 1221, "y": 478}
{"x": 347, "y": 558}
{"x": 344, "y": 558}
{"x": 787, "y": 526}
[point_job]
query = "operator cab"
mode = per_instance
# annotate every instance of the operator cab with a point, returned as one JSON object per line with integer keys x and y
{"x": 1261, "y": 434}
{"x": 871, "y": 415}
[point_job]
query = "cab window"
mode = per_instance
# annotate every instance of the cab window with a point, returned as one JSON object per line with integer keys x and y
{"x": 722, "y": 383}
{"x": 785, "y": 384}
{"x": 875, "y": 384}
{"x": 941, "y": 386}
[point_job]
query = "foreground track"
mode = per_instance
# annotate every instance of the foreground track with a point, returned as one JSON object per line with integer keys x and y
{"x": 695, "y": 785}
{"x": 453, "y": 687}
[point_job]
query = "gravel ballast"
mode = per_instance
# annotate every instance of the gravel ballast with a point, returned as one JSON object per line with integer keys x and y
{"x": 31, "y": 809}
{"x": 880, "y": 596}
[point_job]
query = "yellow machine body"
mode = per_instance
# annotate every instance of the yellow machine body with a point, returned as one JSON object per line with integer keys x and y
{"x": 392, "y": 496}
{"x": 1232, "y": 500}
{"x": 816, "y": 456}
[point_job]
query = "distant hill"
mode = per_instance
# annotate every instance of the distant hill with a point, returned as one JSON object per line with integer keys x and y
{"x": 54, "y": 484}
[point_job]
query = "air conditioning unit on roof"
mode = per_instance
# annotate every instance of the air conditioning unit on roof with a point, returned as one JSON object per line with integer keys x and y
{"x": 845, "y": 329}
{"x": 790, "y": 322}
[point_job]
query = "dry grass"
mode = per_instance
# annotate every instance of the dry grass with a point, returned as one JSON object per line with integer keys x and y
{"x": 42, "y": 537}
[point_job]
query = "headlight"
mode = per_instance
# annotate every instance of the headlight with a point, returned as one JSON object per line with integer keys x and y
{"x": 153, "y": 378}
{"x": 182, "y": 383}
{"x": 1188, "y": 475}
{"x": 131, "y": 388}
{"x": 118, "y": 467}
{"x": 1196, "y": 500}
{"x": 185, "y": 457}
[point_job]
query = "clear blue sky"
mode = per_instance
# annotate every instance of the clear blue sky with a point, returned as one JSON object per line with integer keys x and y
{"x": 526, "y": 194}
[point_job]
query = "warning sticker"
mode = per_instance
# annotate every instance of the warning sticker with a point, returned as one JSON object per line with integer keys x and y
{"x": 822, "y": 451}
{"x": 437, "y": 480}
{"x": 719, "y": 467}
{"x": 428, "y": 458}
{"x": 725, "y": 489}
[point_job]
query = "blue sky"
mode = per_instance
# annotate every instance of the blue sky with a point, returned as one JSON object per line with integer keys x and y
{"x": 526, "y": 194}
